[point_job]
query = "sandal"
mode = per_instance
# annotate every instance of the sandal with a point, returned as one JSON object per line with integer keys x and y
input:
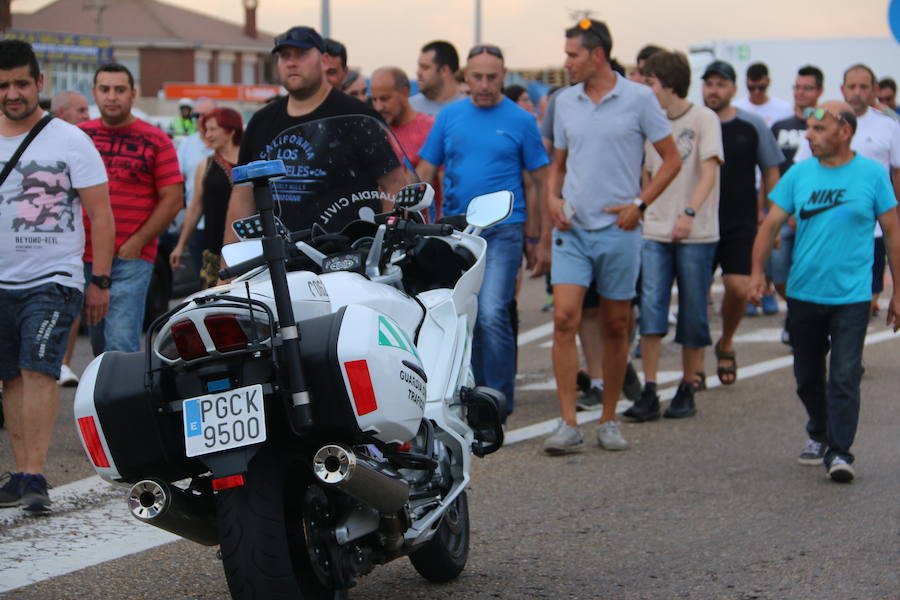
{"x": 727, "y": 374}
{"x": 699, "y": 384}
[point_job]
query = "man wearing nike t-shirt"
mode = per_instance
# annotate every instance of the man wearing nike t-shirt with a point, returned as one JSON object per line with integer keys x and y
{"x": 836, "y": 198}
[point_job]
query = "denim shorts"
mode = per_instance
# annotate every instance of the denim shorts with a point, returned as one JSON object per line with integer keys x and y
{"x": 610, "y": 256}
{"x": 691, "y": 266}
{"x": 34, "y": 328}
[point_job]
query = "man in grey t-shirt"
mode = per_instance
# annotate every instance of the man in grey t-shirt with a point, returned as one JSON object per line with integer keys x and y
{"x": 437, "y": 66}
{"x": 595, "y": 205}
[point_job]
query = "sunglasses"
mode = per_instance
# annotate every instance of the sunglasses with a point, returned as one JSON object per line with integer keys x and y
{"x": 333, "y": 48}
{"x": 757, "y": 88}
{"x": 492, "y": 50}
{"x": 819, "y": 113}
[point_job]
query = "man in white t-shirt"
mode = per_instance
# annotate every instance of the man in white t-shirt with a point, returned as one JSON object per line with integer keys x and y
{"x": 41, "y": 273}
{"x": 877, "y": 137}
{"x": 758, "y": 102}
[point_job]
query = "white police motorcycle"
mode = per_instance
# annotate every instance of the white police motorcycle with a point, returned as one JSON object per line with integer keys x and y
{"x": 317, "y": 415}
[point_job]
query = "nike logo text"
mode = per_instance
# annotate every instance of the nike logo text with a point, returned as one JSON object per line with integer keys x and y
{"x": 820, "y": 201}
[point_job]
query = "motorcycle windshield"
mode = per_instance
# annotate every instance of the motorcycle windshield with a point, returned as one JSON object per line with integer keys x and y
{"x": 339, "y": 169}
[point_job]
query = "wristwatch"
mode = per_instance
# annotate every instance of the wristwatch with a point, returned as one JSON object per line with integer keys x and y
{"x": 101, "y": 281}
{"x": 690, "y": 212}
{"x": 642, "y": 206}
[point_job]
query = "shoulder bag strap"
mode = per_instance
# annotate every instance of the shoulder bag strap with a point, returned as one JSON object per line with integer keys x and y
{"x": 14, "y": 159}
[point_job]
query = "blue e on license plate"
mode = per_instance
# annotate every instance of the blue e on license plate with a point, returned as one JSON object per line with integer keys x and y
{"x": 224, "y": 420}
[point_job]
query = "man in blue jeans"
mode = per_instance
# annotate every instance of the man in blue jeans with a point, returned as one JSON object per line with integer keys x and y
{"x": 681, "y": 230}
{"x": 485, "y": 144}
{"x": 836, "y": 198}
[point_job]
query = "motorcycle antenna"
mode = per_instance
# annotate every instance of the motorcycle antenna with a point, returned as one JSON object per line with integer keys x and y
{"x": 252, "y": 312}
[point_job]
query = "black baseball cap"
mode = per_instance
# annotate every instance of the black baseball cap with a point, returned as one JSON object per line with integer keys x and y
{"x": 299, "y": 37}
{"x": 720, "y": 68}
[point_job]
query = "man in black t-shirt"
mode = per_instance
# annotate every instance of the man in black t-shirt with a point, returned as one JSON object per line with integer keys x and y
{"x": 747, "y": 143}
{"x": 790, "y": 133}
{"x": 339, "y": 170}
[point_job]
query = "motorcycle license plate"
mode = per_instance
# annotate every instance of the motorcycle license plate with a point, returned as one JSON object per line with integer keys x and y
{"x": 224, "y": 420}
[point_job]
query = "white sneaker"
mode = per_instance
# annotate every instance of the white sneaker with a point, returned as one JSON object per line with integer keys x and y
{"x": 609, "y": 437}
{"x": 565, "y": 440}
{"x": 67, "y": 377}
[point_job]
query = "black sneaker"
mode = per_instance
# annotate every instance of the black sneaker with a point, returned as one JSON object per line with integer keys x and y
{"x": 592, "y": 400}
{"x": 645, "y": 409}
{"x": 35, "y": 498}
{"x": 632, "y": 386}
{"x": 11, "y": 492}
{"x": 682, "y": 405}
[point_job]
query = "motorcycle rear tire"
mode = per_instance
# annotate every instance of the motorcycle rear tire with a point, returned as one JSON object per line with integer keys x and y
{"x": 444, "y": 556}
{"x": 261, "y": 539}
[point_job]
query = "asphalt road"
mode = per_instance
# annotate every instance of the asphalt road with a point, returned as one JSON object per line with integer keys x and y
{"x": 713, "y": 507}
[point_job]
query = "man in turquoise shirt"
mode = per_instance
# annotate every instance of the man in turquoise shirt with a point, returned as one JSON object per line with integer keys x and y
{"x": 836, "y": 197}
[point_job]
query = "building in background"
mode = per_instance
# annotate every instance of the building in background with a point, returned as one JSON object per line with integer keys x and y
{"x": 163, "y": 45}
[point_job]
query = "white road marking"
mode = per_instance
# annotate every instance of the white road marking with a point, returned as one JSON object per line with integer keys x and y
{"x": 74, "y": 537}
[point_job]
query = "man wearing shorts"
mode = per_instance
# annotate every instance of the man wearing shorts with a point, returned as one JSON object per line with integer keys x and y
{"x": 748, "y": 142}
{"x": 41, "y": 274}
{"x": 595, "y": 204}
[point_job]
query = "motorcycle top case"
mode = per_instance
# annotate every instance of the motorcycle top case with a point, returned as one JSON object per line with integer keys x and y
{"x": 365, "y": 375}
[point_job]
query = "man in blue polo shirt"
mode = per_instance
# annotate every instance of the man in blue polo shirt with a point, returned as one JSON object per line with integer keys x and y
{"x": 595, "y": 203}
{"x": 485, "y": 144}
{"x": 836, "y": 197}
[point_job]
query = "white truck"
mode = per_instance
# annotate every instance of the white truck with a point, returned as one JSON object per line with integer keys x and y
{"x": 785, "y": 56}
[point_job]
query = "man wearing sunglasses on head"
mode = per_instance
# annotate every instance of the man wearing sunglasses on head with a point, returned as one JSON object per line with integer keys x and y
{"x": 836, "y": 197}
{"x": 485, "y": 143}
{"x": 595, "y": 204}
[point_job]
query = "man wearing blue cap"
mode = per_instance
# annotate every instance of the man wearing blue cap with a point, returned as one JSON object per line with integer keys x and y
{"x": 301, "y": 67}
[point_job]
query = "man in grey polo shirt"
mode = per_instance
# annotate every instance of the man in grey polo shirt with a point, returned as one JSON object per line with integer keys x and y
{"x": 595, "y": 204}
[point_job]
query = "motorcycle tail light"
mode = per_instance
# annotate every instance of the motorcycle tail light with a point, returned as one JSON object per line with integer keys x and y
{"x": 226, "y": 333}
{"x": 187, "y": 340}
{"x": 92, "y": 441}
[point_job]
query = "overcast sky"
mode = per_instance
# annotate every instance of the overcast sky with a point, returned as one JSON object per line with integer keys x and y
{"x": 390, "y": 32}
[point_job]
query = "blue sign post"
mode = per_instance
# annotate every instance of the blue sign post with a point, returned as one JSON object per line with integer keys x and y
{"x": 894, "y": 18}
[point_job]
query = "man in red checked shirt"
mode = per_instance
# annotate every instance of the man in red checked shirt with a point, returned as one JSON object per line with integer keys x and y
{"x": 145, "y": 189}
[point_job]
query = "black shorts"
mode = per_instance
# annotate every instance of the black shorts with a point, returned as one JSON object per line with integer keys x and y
{"x": 735, "y": 251}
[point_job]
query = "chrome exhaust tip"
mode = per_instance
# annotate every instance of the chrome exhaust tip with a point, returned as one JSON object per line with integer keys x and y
{"x": 337, "y": 465}
{"x": 148, "y": 499}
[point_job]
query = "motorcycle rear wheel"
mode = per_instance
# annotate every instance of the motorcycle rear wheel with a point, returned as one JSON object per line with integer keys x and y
{"x": 444, "y": 556}
{"x": 261, "y": 537}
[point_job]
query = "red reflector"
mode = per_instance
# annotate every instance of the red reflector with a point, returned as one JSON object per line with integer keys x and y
{"x": 187, "y": 340}
{"x": 361, "y": 386}
{"x": 404, "y": 447}
{"x": 224, "y": 483}
{"x": 92, "y": 441}
{"x": 226, "y": 332}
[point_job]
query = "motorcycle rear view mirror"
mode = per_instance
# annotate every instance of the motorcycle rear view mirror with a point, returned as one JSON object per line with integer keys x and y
{"x": 413, "y": 197}
{"x": 489, "y": 209}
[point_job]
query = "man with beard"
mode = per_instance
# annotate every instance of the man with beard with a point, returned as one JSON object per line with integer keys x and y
{"x": 41, "y": 273}
{"x": 748, "y": 143}
{"x": 390, "y": 97}
{"x": 436, "y": 72}
{"x": 308, "y": 194}
{"x": 145, "y": 188}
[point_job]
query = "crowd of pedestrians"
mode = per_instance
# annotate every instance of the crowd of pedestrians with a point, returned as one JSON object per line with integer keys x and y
{"x": 621, "y": 188}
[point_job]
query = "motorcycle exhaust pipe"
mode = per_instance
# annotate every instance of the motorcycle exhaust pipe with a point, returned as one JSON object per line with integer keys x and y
{"x": 338, "y": 465}
{"x": 177, "y": 511}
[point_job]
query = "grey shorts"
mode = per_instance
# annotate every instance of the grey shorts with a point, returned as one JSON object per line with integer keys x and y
{"x": 610, "y": 257}
{"x": 34, "y": 328}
